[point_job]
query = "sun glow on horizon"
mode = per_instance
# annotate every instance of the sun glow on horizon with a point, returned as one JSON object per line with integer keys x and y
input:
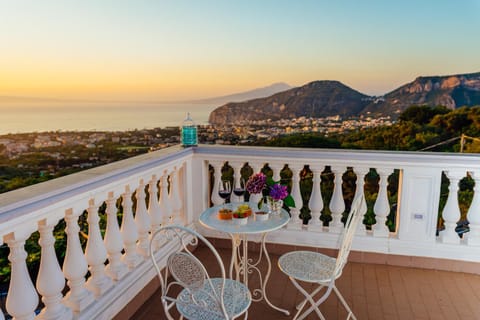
{"x": 177, "y": 51}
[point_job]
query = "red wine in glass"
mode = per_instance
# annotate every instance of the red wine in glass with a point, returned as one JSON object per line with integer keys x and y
{"x": 224, "y": 189}
{"x": 239, "y": 192}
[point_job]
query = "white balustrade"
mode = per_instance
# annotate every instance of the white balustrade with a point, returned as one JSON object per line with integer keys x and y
{"x": 451, "y": 211}
{"x": 96, "y": 254}
{"x": 382, "y": 205}
{"x": 50, "y": 279}
{"x": 296, "y": 222}
{"x": 39, "y": 209}
{"x": 129, "y": 232}
{"x": 115, "y": 269}
{"x": 142, "y": 220}
{"x": 22, "y": 298}
{"x": 75, "y": 266}
{"x": 359, "y": 191}
{"x": 337, "y": 204}
{"x": 473, "y": 214}
{"x": 316, "y": 202}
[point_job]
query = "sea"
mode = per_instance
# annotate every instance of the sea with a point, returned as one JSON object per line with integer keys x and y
{"x": 22, "y": 119}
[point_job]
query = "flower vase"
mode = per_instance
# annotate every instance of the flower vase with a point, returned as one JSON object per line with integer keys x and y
{"x": 254, "y": 200}
{"x": 276, "y": 205}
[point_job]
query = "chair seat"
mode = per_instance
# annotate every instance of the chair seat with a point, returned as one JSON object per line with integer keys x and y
{"x": 307, "y": 266}
{"x": 236, "y": 297}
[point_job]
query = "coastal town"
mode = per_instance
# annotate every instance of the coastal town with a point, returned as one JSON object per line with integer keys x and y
{"x": 13, "y": 145}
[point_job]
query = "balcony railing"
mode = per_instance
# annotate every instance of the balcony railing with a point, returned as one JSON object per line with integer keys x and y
{"x": 105, "y": 267}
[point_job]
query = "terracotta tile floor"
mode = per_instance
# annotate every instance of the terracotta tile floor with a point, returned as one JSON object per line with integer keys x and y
{"x": 373, "y": 291}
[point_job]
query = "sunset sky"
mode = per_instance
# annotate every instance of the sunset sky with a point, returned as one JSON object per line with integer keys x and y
{"x": 166, "y": 50}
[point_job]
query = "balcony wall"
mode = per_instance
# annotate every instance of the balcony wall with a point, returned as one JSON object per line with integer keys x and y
{"x": 106, "y": 266}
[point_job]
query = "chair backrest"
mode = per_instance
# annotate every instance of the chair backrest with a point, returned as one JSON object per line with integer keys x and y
{"x": 184, "y": 270}
{"x": 354, "y": 217}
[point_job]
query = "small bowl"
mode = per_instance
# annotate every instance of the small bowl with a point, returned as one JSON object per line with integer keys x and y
{"x": 261, "y": 215}
{"x": 240, "y": 221}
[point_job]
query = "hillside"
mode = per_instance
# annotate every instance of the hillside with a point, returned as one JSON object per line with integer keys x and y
{"x": 450, "y": 91}
{"x": 315, "y": 99}
{"x": 329, "y": 98}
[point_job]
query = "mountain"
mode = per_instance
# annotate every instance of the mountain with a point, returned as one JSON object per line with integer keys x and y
{"x": 315, "y": 99}
{"x": 330, "y": 98}
{"x": 450, "y": 91}
{"x": 247, "y": 95}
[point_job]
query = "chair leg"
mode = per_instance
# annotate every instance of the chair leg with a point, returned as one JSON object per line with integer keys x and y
{"x": 308, "y": 298}
{"x": 302, "y": 304}
{"x": 345, "y": 304}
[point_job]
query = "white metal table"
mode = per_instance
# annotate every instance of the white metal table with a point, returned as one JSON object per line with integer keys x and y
{"x": 240, "y": 262}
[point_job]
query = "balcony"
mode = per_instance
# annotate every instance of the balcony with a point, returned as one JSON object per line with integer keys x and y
{"x": 106, "y": 269}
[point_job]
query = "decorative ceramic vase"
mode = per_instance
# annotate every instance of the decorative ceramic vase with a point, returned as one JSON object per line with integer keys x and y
{"x": 254, "y": 200}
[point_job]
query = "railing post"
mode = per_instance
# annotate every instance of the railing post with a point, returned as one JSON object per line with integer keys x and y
{"x": 359, "y": 191}
{"x": 295, "y": 221}
{"x": 237, "y": 167}
{"x": 129, "y": 232}
{"x": 473, "y": 215}
{"x": 115, "y": 269}
{"x": 175, "y": 197}
{"x": 418, "y": 200}
{"x": 217, "y": 166}
{"x": 75, "y": 266}
{"x": 164, "y": 200}
{"x": 153, "y": 206}
{"x": 22, "y": 298}
{"x": 50, "y": 280}
{"x": 382, "y": 206}
{"x": 337, "y": 203}
{"x": 96, "y": 253}
{"x": 451, "y": 211}
{"x": 142, "y": 220}
{"x": 316, "y": 202}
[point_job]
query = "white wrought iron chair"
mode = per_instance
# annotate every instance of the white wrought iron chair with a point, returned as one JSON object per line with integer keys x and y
{"x": 314, "y": 267}
{"x": 200, "y": 297}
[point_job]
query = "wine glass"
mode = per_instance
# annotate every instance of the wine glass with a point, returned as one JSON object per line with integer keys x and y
{"x": 224, "y": 190}
{"x": 239, "y": 189}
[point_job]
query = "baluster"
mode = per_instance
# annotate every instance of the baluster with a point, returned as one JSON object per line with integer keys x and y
{"x": 50, "y": 280}
{"x": 295, "y": 221}
{"x": 382, "y": 206}
{"x": 316, "y": 202}
{"x": 175, "y": 198}
{"x": 142, "y": 220}
{"x": 115, "y": 269}
{"x": 359, "y": 191}
{"x": 164, "y": 200}
{"x": 75, "y": 266}
{"x": 473, "y": 215}
{"x": 22, "y": 299}
{"x": 276, "y": 169}
{"x": 451, "y": 211}
{"x": 237, "y": 175}
{"x": 129, "y": 232}
{"x": 217, "y": 166}
{"x": 96, "y": 254}
{"x": 337, "y": 204}
{"x": 154, "y": 206}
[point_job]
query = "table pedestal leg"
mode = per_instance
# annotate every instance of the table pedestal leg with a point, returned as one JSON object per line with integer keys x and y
{"x": 243, "y": 266}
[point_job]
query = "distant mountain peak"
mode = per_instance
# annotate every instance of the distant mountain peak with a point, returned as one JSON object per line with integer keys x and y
{"x": 247, "y": 95}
